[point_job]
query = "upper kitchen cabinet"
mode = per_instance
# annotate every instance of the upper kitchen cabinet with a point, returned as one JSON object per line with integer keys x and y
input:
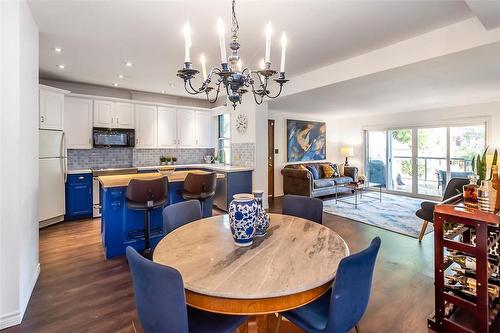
{"x": 111, "y": 114}
{"x": 186, "y": 127}
{"x": 78, "y": 122}
{"x": 203, "y": 124}
{"x": 167, "y": 127}
{"x": 145, "y": 126}
{"x": 51, "y": 108}
{"x": 124, "y": 115}
{"x": 103, "y": 113}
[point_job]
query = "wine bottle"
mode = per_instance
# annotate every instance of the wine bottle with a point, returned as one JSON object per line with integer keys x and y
{"x": 494, "y": 279}
{"x": 470, "y": 284}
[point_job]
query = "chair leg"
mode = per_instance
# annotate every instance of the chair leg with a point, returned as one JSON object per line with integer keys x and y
{"x": 278, "y": 323}
{"x": 422, "y": 232}
{"x": 357, "y": 328}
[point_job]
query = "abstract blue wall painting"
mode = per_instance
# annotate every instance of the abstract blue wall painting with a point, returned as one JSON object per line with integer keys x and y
{"x": 306, "y": 140}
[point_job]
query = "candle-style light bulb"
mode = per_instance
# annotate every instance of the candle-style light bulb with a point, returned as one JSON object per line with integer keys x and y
{"x": 222, "y": 42}
{"x": 283, "y": 52}
{"x": 269, "y": 32}
{"x": 203, "y": 66}
{"x": 262, "y": 64}
{"x": 187, "y": 41}
{"x": 239, "y": 64}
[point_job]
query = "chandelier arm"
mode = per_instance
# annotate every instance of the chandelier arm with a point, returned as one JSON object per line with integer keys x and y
{"x": 216, "y": 95}
{"x": 279, "y": 92}
{"x": 191, "y": 92}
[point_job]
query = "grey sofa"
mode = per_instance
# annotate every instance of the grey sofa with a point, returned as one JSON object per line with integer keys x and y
{"x": 300, "y": 182}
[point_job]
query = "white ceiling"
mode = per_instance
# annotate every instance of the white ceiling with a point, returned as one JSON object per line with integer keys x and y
{"x": 467, "y": 77}
{"x": 97, "y": 37}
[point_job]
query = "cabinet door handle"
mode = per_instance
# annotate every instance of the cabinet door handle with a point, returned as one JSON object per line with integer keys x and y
{"x": 42, "y": 119}
{"x": 81, "y": 177}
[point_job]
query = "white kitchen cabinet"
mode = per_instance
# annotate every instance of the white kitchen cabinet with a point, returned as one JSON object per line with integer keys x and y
{"x": 167, "y": 127}
{"x": 203, "y": 125}
{"x": 78, "y": 122}
{"x": 124, "y": 115}
{"x": 51, "y": 108}
{"x": 186, "y": 127}
{"x": 103, "y": 113}
{"x": 145, "y": 126}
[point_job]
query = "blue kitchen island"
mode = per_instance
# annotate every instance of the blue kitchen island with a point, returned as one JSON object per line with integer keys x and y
{"x": 122, "y": 227}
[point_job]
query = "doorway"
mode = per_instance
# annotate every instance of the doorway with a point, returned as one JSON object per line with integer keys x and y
{"x": 270, "y": 157}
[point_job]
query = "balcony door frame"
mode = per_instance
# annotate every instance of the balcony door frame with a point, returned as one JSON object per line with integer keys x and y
{"x": 473, "y": 121}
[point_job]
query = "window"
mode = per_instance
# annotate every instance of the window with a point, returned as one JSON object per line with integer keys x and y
{"x": 421, "y": 160}
{"x": 224, "y": 146}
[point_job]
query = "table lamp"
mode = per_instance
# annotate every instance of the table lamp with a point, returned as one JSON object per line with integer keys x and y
{"x": 347, "y": 152}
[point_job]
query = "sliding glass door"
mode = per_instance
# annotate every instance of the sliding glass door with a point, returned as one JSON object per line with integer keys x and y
{"x": 420, "y": 161}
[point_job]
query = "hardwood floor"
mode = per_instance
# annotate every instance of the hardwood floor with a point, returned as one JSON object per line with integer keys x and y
{"x": 79, "y": 291}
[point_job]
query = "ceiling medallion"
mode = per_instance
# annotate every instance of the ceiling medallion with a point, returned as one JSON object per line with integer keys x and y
{"x": 233, "y": 78}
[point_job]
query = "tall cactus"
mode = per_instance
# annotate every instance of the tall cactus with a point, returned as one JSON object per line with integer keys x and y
{"x": 479, "y": 165}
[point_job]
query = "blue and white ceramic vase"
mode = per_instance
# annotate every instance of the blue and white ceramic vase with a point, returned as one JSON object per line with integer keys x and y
{"x": 262, "y": 218}
{"x": 242, "y": 216}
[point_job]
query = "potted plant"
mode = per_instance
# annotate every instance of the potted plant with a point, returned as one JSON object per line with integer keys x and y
{"x": 163, "y": 160}
{"x": 174, "y": 160}
{"x": 169, "y": 160}
{"x": 479, "y": 165}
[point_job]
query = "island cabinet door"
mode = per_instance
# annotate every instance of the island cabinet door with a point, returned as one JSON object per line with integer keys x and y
{"x": 167, "y": 127}
{"x": 145, "y": 126}
{"x": 186, "y": 128}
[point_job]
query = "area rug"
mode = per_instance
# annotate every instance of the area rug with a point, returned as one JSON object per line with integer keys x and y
{"x": 395, "y": 213}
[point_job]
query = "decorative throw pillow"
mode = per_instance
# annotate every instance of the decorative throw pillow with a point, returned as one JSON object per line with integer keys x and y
{"x": 314, "y": 171}
{"x": 328, "y": 170}
{"x": 341, "y": 169}
{"x": 301, "y": 167}
{"x": 336, "y": 172}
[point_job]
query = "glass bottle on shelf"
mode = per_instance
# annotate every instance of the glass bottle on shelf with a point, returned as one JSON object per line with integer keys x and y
{"x": 487, "y": 196}
{"x": 470, "y": 192}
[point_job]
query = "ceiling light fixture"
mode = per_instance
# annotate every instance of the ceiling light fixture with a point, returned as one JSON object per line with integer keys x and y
{"x": 61, "y": 66}
{"x": 232, "y": 76}
{"x": 57, "y": 49}
{"x": 128, "y": 64}
{"x": 163, "y": 91}
{"x": 115, "y": 84}
{"x": 120, "y": 76}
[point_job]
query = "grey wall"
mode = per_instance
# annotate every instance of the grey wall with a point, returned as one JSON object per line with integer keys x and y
{"x": 97, "y": 90}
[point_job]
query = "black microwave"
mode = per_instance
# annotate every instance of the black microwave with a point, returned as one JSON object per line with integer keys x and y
{"x": 105, "y": 137}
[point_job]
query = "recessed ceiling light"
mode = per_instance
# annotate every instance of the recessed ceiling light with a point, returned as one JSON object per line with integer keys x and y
{"x": 128, "y": 64}
{"x": 57, "y": 49}
{"x": 120, "y": 76}
{"x": 171, "y": 85}
{"x": 163, "y": 91}
{"x": 115, "y": 84}
{"x": 61, "y": 66}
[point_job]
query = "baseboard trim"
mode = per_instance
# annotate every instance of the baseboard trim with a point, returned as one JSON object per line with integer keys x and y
{"x": 16, "y": 317}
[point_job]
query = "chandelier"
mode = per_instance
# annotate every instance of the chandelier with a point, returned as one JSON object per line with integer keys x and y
{"x": 235, "y": 79}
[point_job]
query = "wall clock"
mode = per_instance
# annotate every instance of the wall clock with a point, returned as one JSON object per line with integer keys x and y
{"x": 241, "y": 123}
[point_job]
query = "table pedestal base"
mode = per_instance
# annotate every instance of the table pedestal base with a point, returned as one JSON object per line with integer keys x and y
{"x": 267, "y": 324}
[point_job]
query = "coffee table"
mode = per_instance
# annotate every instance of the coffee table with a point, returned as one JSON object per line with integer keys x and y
{"x": 359, "y": 191}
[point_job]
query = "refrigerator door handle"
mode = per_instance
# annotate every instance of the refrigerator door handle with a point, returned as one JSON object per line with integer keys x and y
{"x": 64, "y": 157}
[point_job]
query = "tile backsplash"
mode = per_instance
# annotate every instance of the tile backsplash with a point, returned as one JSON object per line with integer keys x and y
{"x": 243, "y": 154}
{"x": 102, "y": 158}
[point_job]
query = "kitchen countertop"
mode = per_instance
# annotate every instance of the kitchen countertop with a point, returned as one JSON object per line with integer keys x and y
{"x": 123, "y": 180}
{"x": 214, "y": 167}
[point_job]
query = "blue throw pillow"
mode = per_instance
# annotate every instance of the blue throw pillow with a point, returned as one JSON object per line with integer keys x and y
{"x": 314, "y": 171}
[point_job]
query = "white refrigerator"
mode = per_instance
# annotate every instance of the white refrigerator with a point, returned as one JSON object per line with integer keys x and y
{"x": 52, "y": 177}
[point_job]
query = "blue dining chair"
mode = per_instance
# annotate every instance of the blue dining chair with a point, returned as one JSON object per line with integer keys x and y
{"x": 341, "y": 308}
{"x": 178, "y": 214}
{"x": 161, "y": 301}
{"x": 304, "y": 207}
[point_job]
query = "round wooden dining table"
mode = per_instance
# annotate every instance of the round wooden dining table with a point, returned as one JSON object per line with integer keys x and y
{"x": 292, "y": 265}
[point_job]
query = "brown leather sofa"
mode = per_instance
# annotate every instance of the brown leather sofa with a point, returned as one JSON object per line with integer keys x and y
{"x": 300, "y": 182}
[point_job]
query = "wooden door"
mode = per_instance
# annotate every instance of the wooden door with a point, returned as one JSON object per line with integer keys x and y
{"x": 270, "y": 157}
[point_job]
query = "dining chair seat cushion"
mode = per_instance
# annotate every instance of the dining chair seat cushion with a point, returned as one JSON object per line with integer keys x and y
{"x": 202, "y": 321}
{"x": 315, "y": 312}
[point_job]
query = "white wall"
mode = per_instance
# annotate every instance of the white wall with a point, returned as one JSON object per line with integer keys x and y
{"x": 19, "y": 266}
{"x": 280, "y": 141}
{"x": 349, "y": 131}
